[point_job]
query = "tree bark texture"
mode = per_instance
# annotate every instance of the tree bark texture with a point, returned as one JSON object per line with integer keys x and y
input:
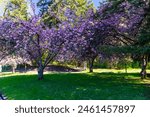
{"x": 91, "y": 61}
{"x": 40, "y": 73}
{"x": 144, "y": 62}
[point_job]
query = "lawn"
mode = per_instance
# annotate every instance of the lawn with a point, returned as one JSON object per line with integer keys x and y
{"x": 76, "y": 86}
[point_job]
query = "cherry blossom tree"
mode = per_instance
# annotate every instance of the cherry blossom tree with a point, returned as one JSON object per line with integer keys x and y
{"x": 6, "y": 45}
{"x": 82, "y": 40}
{"x": 115, "y": 24}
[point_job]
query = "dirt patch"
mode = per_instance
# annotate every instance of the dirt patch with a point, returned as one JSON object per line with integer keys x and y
{"x": 50, "y": 68}
{"x": 55, "y": 68}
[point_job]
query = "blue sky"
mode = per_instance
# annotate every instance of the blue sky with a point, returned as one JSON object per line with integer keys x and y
{"x": 96, "y": 2}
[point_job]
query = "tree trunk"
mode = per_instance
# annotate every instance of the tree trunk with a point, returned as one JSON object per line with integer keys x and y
{"x": 25, "y": 68}
{"x": 85, "y": 65}
{"x": 1, "y": 68}
{"x": 144, "y": 65}
{"x": 13, "y": 69}
{"x": 126, "y": 70}
{"x": 91, "y": 61}
{"x": 40, "y": 73}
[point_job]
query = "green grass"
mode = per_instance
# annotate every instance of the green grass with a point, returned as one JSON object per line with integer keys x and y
{"x": 75, "y": 86}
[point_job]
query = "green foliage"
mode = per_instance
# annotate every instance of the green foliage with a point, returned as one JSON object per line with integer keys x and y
{"x": 144, "y": 36}
{"x": 124, "y": 63}
{"x": 118, "y": 63}
{"x": 101, "y": 64}
{"x": 59, "y": 7}
{"x": 6, "y": 68}
{"x": 43, "y": 5}
{"x": 148, "y": 65}
{"x": 17, "y": 9}
{"x": 80, "y": 6}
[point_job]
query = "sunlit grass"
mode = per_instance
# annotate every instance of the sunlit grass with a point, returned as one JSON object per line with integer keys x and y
{"x": 5, "y": 74}
{"x": 129, "y": 70}
{"x": 101, "y": 85}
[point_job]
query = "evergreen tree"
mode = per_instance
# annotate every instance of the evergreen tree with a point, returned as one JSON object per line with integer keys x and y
{"x": 43, "y": 5}
{"x": 60, "y": 8}
{"x": 16, "y": 9}
{"x": 141, "y": 35}
{"x": 144, "y": 42}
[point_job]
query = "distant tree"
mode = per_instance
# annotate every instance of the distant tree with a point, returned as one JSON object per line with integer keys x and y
{"x": 139, "y": 30}
{"x": 16, "y": 9}
{"x": 44, "y": 6}
{"x": 144, "y": 43}
{"x": 127, "y": 19}
{"x": 55, "y": 10}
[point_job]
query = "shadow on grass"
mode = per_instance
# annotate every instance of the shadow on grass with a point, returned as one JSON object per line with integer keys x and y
{"x": 76, "y": 86}
{"x": 5, "y": 73}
